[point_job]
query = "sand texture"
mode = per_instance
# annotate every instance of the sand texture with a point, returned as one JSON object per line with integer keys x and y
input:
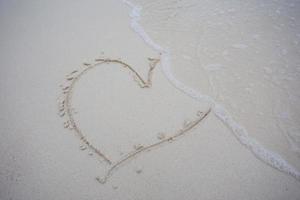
{"x": 96, "y": 100}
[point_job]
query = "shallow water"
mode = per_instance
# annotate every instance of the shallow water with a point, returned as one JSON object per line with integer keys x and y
{"x": 246, "y": 55}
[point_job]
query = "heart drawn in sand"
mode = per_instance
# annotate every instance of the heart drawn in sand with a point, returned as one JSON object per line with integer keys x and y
{"x": 66, "y": 111}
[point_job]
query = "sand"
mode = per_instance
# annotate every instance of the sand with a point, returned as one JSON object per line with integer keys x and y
{"x": 243, "y": 55}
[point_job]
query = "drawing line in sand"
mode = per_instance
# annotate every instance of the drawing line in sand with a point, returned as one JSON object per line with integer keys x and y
{"x": 66, "y": 111}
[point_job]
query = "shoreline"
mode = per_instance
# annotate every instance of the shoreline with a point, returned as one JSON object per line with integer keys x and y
{"x": 270, "y": 158}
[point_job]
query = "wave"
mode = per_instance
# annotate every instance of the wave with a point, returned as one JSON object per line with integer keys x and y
{"x": 268, "y": 157}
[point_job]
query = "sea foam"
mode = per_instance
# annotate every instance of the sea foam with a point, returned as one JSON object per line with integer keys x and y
{"x": 270, "y": 158}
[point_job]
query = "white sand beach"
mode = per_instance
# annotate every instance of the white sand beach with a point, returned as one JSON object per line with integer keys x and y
{"x": 240, "y": 57}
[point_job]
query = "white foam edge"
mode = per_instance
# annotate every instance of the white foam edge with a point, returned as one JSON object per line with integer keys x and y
{"x": 269, "y": 157}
